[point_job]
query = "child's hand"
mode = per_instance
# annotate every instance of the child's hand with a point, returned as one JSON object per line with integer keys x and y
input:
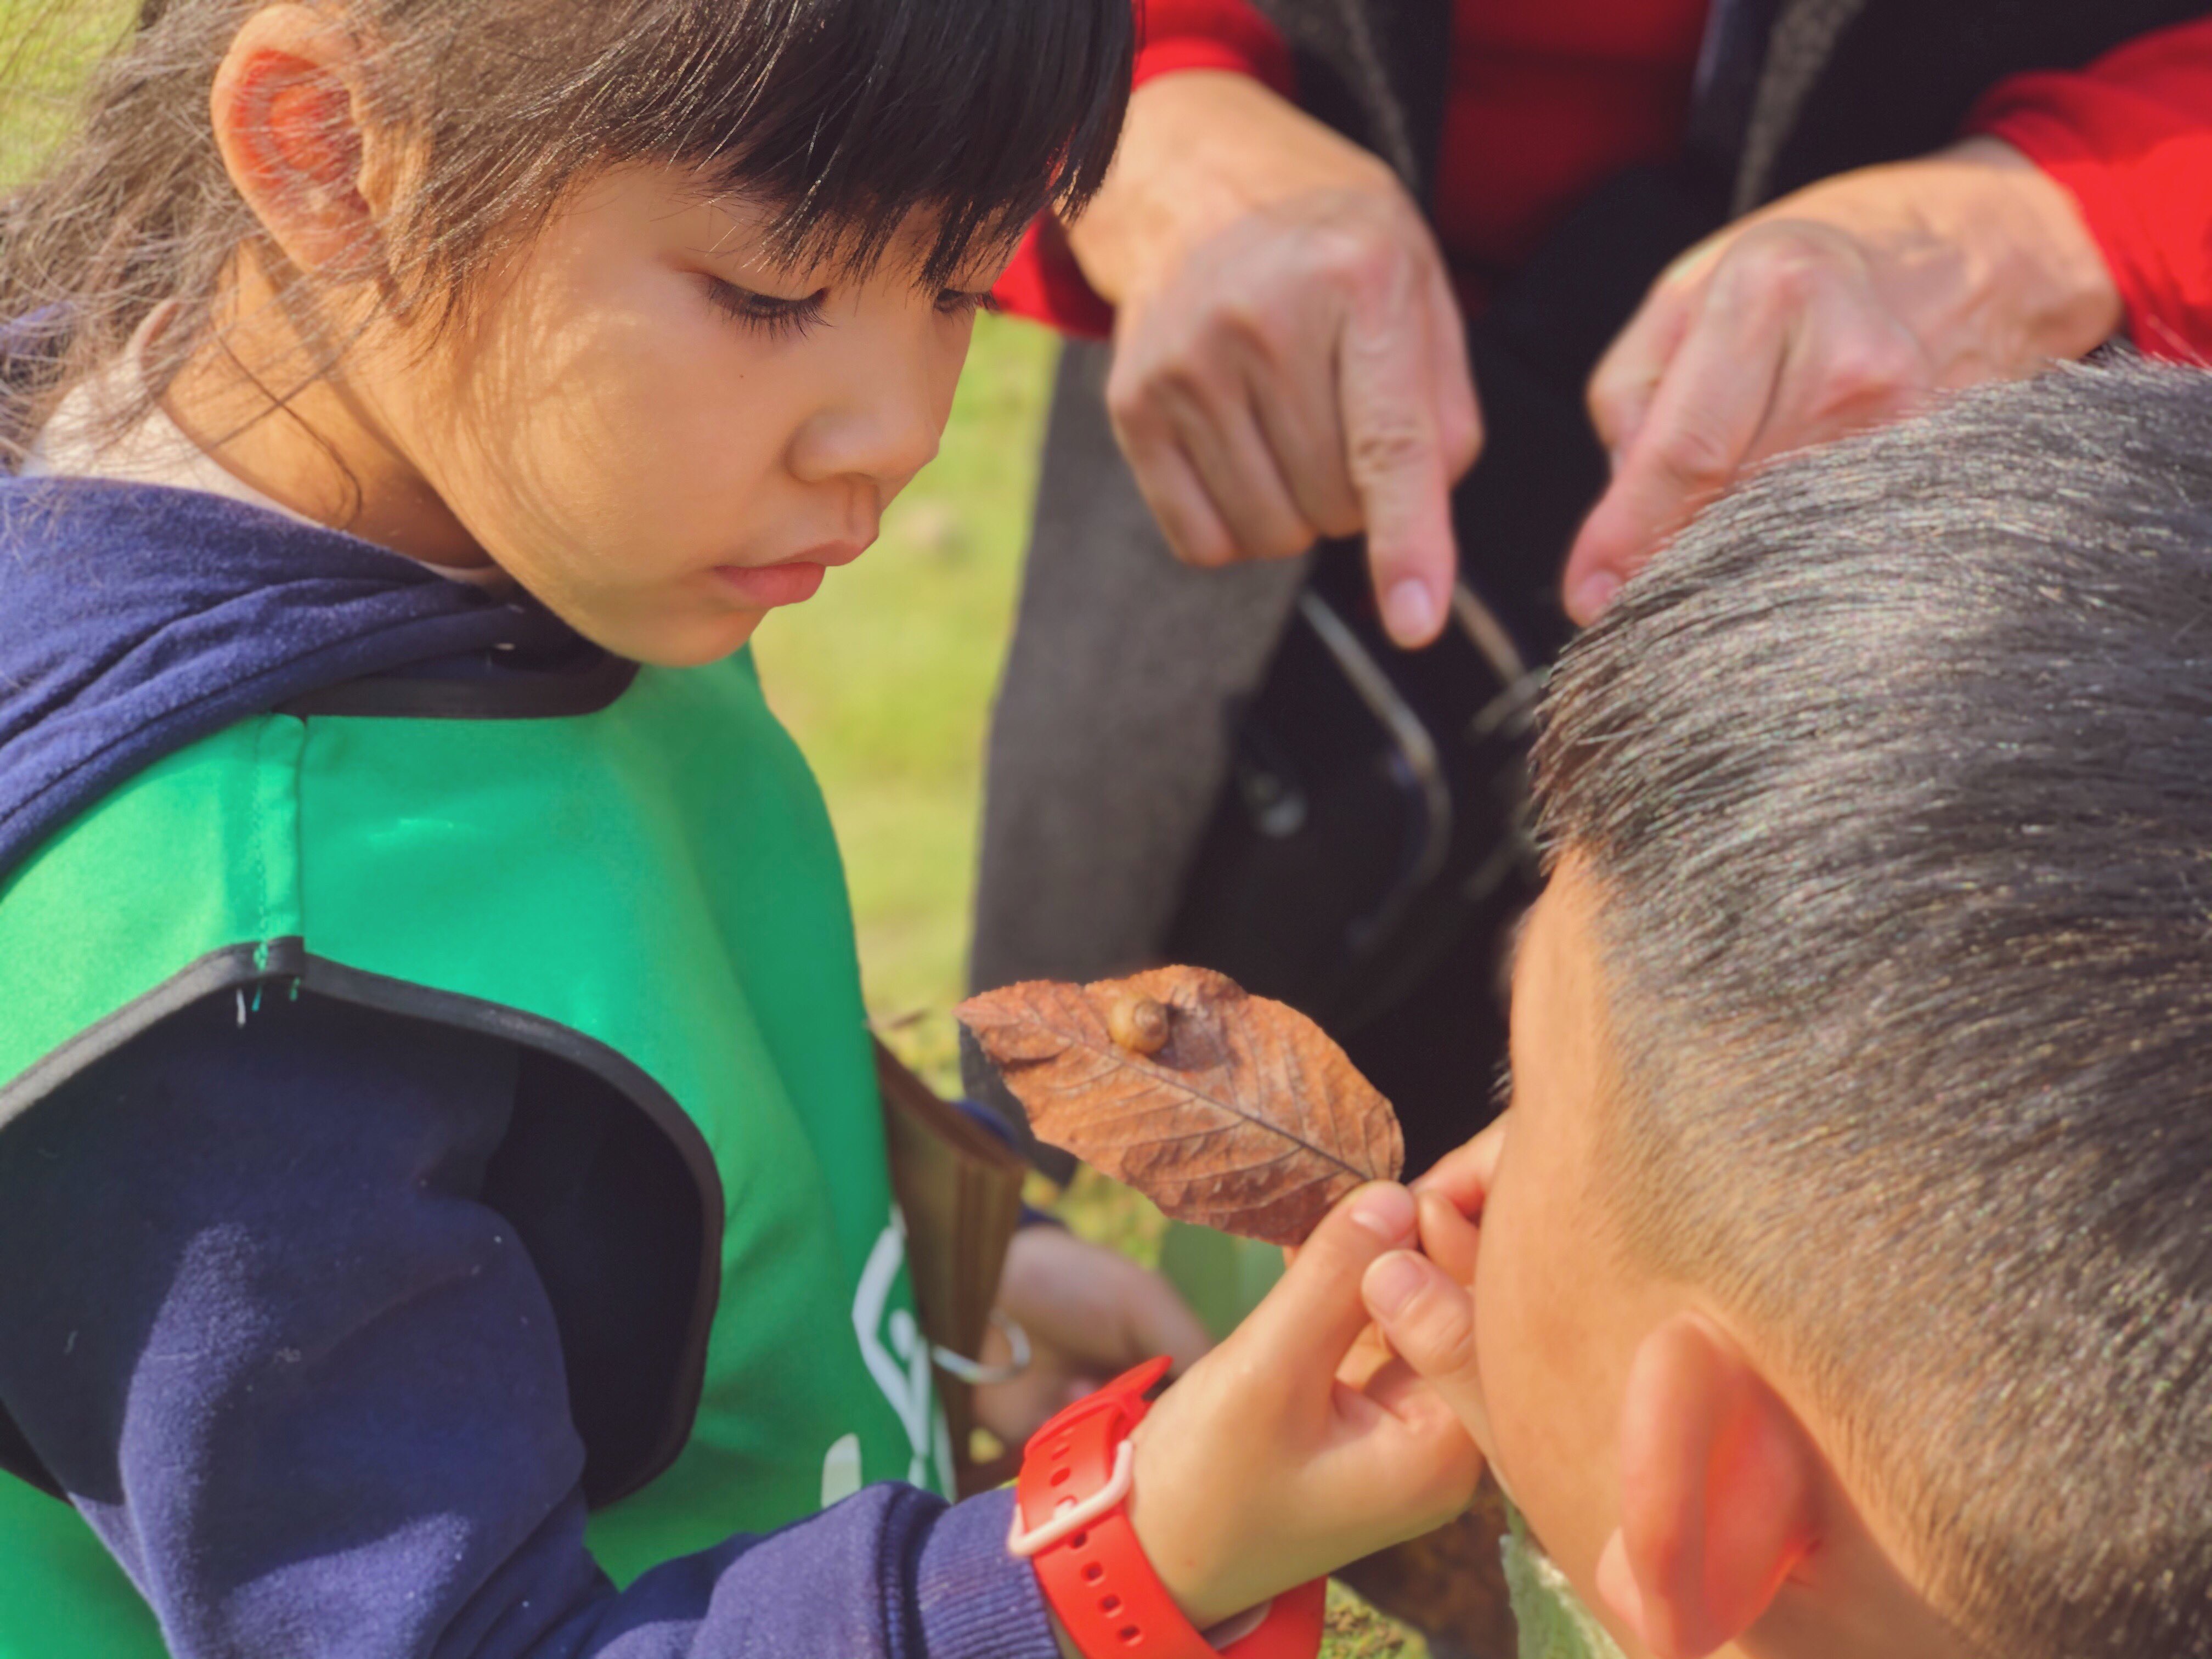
{"x": 1462, "y": 1176}
{"x": 1090, "y": 1313}
{"x": 1261, "y": 1469}
{"x": 1424, "y": 1305}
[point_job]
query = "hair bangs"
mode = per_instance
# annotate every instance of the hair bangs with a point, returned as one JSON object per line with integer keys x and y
{"x": 928, "y": 131}
{"x": 851, "y": 118}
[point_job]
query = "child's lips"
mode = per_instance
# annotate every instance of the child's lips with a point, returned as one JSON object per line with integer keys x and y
{"x": 787, "y": 581}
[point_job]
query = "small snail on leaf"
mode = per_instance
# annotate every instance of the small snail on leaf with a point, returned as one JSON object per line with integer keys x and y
{"x": 1138, "y": 1023}
{"x": 1255, "y": 1123}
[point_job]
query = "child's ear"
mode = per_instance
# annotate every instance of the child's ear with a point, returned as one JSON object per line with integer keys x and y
{"x": 287, "y": 114}
{"x": 1719, "y": 1484}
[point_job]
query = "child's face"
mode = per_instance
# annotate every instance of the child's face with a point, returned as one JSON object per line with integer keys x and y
{"x": 1557, "y": 1310}
{"x": 659, "y": 433}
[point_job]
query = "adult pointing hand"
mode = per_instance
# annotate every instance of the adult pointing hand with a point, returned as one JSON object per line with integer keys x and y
{"x": 1289, "y": 359}
{"x": 1835, "y": 308}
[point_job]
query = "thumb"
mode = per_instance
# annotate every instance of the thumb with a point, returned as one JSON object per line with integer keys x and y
{"x": 1311, "y": 1320}
{"x": 1429, "y": 1322}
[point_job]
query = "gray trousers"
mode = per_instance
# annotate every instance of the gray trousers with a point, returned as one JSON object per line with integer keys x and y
{"x": 1110, "y": 735}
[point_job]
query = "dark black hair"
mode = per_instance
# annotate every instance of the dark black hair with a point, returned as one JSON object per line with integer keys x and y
{"x": 847, "y": 117}
{"x": 1895, "y": 776}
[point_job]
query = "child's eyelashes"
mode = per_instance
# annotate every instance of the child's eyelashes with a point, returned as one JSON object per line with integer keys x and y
{"x": 778, "y": 318}
{"x": 781, "y": 318}
{"x": 962, "y": 302}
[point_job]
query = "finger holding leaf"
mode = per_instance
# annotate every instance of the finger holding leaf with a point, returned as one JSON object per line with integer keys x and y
{"x": 1226, "y": 1109}
{"x": 1303, "y": 1436}
{"x": 1261, "y": 1469}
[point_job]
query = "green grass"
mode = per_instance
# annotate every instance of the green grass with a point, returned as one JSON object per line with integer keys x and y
{"x": 46, "y": 49}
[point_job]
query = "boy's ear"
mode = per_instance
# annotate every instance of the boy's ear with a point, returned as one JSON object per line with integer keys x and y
{"x": 1717, "y": 1504}
{"x": 287, "y": 111}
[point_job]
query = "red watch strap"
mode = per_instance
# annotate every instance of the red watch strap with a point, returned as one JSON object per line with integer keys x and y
{"x": 1096, "y": 1578}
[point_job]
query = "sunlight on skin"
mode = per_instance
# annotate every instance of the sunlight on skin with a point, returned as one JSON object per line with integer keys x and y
{"x": 664, "y": 436}
{"x": 659, "y": 432}
{"x": 658, "y": 471}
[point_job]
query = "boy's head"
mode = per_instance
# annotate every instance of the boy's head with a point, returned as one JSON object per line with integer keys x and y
{"x": 1845, "y": 1283}
{"x": 637, "y": 300}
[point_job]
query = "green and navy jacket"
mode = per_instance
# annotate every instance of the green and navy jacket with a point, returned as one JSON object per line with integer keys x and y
{"x": 441, "y": 1174}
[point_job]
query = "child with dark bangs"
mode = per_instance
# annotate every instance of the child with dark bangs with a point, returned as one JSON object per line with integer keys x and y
{"x": 443, "y": 1196}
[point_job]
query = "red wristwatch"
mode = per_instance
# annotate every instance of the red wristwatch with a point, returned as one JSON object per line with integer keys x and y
{"x": 1072, "y": 1525}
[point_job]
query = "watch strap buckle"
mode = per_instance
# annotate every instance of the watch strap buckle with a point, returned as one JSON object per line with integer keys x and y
{"x": 1125, "y": 1394}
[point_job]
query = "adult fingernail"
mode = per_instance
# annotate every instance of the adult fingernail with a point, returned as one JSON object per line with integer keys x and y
{"x": 1594, "y": 595}
{"x": 1391, "y": 1283}
{"x": 1409, "y": 611}
{"x": 1387, "y": 1211}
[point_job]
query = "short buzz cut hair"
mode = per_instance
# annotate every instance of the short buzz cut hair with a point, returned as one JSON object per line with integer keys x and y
{"x": 1895, "y": 776}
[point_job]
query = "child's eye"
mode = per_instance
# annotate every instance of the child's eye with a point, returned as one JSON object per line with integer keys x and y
{"x": 959, "y": 302}
{"x": 778, "y": 318}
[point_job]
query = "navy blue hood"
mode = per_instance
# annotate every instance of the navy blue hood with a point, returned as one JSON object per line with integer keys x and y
{"x": 136, "y": 620}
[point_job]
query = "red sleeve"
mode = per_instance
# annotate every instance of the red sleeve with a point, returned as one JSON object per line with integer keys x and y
{"x": 2130, "y": 137}
{"x": 1043, "y": 282}
{"x": 1222, "y": 34}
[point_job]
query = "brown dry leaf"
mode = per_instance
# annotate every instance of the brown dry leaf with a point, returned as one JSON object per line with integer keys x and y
{"x": 1225, "y": 1109}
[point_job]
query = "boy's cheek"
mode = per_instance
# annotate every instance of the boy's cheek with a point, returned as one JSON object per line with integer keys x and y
{"x": 1493, "y": 1366}
{"x": 1544, "y": 1433}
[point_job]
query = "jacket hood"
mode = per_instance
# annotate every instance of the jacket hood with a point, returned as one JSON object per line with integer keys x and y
{"x": 137, "y": 619}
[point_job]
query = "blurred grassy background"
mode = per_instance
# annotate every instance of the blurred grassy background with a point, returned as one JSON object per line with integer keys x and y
{"x": 886, "y": 679}
{"x": 47, "y": 46}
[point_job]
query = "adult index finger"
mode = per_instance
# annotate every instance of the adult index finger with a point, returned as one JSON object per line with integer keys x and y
{"x": 1396, "y": 457}
{"x": 1452, "y": 378}
{"x": 1627, "y": 377}
{"x": 1701, "y": 426}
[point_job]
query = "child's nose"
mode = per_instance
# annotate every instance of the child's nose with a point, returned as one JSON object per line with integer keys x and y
{"x": 885, "y": 431}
